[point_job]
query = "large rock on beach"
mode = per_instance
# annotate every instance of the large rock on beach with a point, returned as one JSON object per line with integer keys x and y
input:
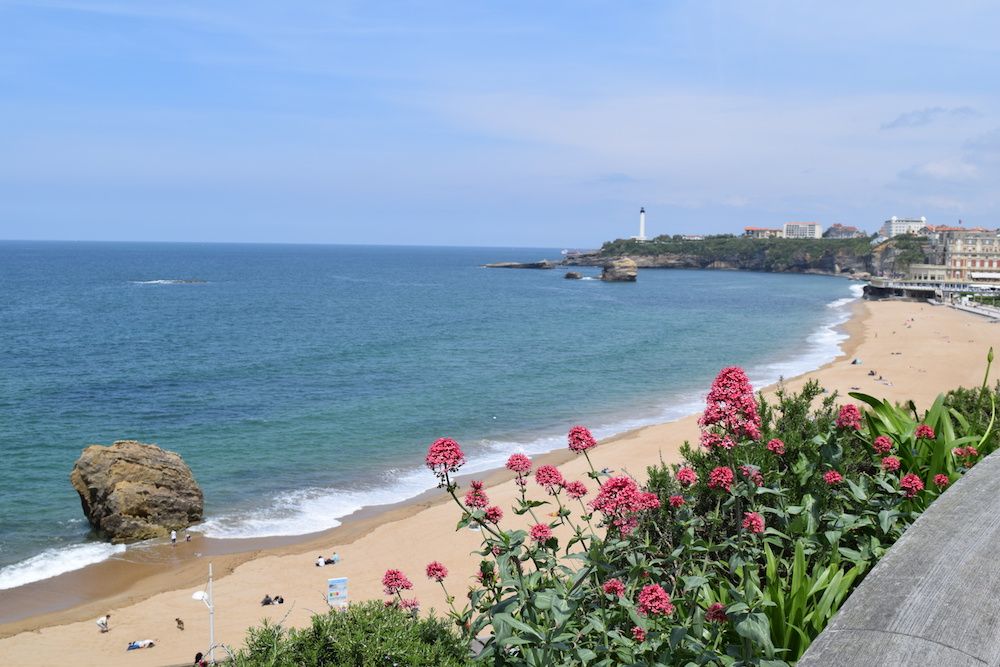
{"x": 621, "y": 269}
{"x": 134, "y": 491}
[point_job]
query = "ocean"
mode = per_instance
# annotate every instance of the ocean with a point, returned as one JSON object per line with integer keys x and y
{"x": 302, "y": 383}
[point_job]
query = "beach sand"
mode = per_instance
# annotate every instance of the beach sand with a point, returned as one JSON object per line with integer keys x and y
{"x": 938, "y": 350}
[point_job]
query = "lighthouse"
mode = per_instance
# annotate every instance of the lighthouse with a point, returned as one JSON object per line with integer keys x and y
{"x": 642, "y": 225}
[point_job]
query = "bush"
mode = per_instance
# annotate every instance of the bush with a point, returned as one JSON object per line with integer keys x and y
{"x": 363, "y": 634}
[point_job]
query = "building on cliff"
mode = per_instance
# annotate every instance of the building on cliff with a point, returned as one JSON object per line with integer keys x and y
{"x": 803, "y": 230}
{"x": 763, "y": 232}
{"x": 895, "y": 226}
{"x": 839, "y": 231}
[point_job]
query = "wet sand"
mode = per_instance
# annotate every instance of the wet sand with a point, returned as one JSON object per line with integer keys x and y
{"x": 939, "y": 349}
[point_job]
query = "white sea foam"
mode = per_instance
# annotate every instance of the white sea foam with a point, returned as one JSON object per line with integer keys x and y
{"x": 167, "y": 282}
{"x": 53, "y": 562}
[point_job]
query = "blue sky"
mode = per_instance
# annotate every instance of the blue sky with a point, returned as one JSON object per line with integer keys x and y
{"x": 513, "y": 123}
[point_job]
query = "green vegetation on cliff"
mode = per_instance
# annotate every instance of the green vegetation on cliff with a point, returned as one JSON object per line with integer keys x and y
{"x": 741, "y": 252}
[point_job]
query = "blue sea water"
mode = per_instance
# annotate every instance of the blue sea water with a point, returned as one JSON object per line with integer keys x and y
{"x": 301, "y": 383}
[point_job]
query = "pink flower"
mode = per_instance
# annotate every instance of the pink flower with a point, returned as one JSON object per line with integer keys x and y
{"x": 958, "y": 452}
{"x": 711, "y": 440}
{"x": 676, "y": 501}
{"x": 580, "y": 439}
{"x": 494, "y": 514}
{"x": 716, "y": 613}
{"x": 444, "y": 456}
{"x": 519, "y": 463}
{"x": 540, "y": 532}
{"x": 720, "y": 478}
{"x": 731, "y": 406}
{"x": 832, "y": 477}
{"x": 912, "y": 484}
{"x": 654, "y": 601}
{"x": 752, "y": 474}
{"x": 395, "y": 581}
{"x": 971, "y": 452}
{"x": 575, "y": 490}
{"x": 436, "y": 571}
{"x": 941, "y": 481}
{"x": 413, "y": 604}
{"x": 849, "y": 417}
{"x": 924, "y": 432}
{"x": 621, "y": 501}
{"x": 686, "y": 476}
{"x": 753, "y": 522}
{"x": 638, "y": 634}
{"x": 890, "y": 463}
{"x": 776, "y": 446}
{"x": 476, "y": 497}
{"x": 549, "y": 477}
{"x": 614, "y": 587}
{"x": 882, "y": 444}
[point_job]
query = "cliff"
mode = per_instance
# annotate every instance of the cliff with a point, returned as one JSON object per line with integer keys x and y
{"x": 835, "y": 256}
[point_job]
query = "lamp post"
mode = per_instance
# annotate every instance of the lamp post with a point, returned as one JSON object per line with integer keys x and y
{"x": 206, "y": 597}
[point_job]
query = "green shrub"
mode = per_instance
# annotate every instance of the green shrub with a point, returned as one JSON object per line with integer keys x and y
{"x": 363, "y": 634}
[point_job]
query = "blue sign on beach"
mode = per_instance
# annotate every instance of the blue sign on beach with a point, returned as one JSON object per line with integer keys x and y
{"x": 336, "y": 591}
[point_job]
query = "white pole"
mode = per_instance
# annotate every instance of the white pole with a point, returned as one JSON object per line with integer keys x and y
{"x": 211, "y": 618}
{"x": 642, "y": 224}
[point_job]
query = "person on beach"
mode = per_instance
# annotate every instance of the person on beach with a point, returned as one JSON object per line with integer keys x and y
{"x": 142, "y": 643}
{"x": 199, "y": 660}
{"x": 320, "y": 562}
{"x": 102, "y": 622}
{"x": 187, "y": 538}
{"x": 332, "y": 560}
{"x": 173, "y": 537}
{"x": 266, "y": 601}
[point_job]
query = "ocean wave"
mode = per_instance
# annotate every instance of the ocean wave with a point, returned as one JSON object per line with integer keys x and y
{"x": 53, "y": 562}
{"x": 164, "y": 281}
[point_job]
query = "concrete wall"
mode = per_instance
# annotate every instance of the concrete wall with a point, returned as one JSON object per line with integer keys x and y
{"x": 934, "y": 599}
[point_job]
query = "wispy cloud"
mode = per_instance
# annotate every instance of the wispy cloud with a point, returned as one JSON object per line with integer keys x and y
{"x": 927, "y": 116}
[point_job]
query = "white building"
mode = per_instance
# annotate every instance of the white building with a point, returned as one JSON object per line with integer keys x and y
{"x": 803, "y": 230}
{"x": 895, "y": 226}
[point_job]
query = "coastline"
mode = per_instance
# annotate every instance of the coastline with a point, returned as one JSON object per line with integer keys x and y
{"x": 369, "y": 540}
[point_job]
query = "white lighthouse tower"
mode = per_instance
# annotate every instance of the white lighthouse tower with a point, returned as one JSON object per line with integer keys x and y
{"x": 642, "y": 225}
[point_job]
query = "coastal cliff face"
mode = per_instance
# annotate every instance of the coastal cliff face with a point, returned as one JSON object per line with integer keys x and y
{"x": 134, "y": 491}
{"x": 620, "y": 270}
{"x": 833, "y": 256}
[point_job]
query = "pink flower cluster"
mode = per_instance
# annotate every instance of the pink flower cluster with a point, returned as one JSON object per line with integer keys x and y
{"x": 575, "y": 490}
{"x": 712, "y": 440}
{"x": 969, "y": 452}
{"x": 638, "y": 634}
{"x": 621, "y": 501}
{"x": 776, "y": 446}
{"x": 720, "y": 478}
{"x": 476, "y": 497}
{"x": 912, "y": 484}
{"x": 395, "y": 581}
{"x": 540, "y": 532}
{"x": 752, "y": 473}
{"x": 676, "y": 501}
{"x": 716, "y": 613}
{"x": 686, "y": 476}
{"x": 444, "y": 456}
{"x": 550, "y": 478}
{"x": 519, "y": 463}
{"x": 580, "y": 439}
{"x": 832, "y": 477}
{"x": 654, "y": 601}
{"x": 614, "y": 587}
{"x": 883, "y": 444}
{"x": 731, "y": 405}
{"x": 941, "y": 481}
{"x": 849, "y": 417}
{"x": 753, "y": 522}
{"x": 494, "y": 514}
{"x": 924, "y": 432}
{"x": 436, "y": 571}
{"x": 890, "y": 463}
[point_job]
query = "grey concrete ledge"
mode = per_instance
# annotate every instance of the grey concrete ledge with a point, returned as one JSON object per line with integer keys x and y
{"x": 934, "y": 599}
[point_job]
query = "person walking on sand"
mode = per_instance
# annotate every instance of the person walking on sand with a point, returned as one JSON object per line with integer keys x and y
{"x": 102, "y": 622}
{"x": 173, "y": 537}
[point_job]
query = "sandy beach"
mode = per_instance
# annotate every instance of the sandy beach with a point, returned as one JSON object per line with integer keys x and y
{"x": 919, "y": 350}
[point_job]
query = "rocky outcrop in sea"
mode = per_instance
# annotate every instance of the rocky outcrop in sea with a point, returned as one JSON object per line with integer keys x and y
{"x": 135, "y": 491}
{"x": 620, "y": 269}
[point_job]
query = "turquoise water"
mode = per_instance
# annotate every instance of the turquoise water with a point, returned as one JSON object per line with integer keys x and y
{"x": 303, "y": 382}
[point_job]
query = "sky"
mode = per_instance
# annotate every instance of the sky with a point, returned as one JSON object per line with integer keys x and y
{"x": 491, "y": 123}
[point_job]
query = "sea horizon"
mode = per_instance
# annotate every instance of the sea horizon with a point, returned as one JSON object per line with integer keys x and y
{"x": 310, "y": 493}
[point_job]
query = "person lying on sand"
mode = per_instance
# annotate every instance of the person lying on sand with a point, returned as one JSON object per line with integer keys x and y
{"x": 266, "y": 601}
{"x": 142, "y": 643}
{"x": 320, "y": 562}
